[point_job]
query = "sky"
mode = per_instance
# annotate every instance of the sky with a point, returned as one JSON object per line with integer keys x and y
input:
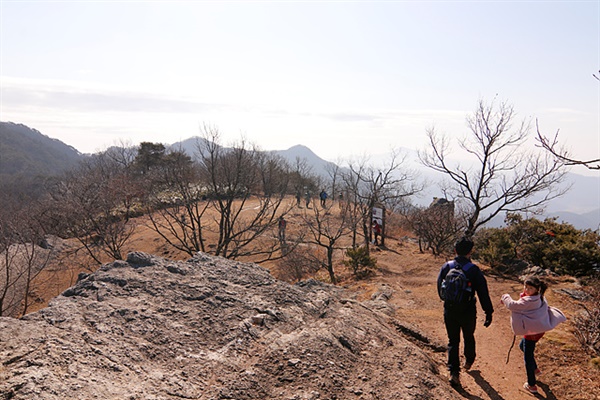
{"x": 344, "y": 78}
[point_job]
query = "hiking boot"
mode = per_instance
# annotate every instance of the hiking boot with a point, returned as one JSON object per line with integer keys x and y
{"x": 467, "y": 366}
{"x": 454, "y": 380}
{"x": 530, "y": 389}
{"x": 538, "y": 372}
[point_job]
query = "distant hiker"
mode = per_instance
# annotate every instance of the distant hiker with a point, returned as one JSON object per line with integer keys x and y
{"x": 458, "y": 283}
{"x": 298, "y": 196}
{"x": 531, "y": 316}
{"x": 323, "y": 197}
{"x": 376, "y": 232}
{"x": 281, "y": 225}
{"x": 307, "y": 197}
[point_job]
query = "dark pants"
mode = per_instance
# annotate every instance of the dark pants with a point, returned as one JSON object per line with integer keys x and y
{"x": 457, "y": 320}
{"x": 528, "y": 349}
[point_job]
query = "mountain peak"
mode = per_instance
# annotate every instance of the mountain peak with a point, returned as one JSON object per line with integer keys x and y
{"x": 300, "y": 147}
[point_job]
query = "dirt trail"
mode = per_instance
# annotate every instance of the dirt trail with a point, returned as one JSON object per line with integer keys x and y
{"x": 412, "y": 276}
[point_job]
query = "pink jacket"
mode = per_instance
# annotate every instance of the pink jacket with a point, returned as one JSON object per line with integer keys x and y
{"x": 531, "y": 314}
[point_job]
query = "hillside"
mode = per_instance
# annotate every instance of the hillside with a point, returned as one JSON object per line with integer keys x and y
{"x": 26, "y": 152}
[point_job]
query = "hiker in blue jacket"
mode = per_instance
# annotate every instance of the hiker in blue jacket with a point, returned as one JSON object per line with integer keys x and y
{"x": 462, "y": 316}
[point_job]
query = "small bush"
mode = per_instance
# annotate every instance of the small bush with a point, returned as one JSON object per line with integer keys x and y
{"x": 298, "y": 265}
{"x": 587, "y": 323}
{"x": 360, "y": 261}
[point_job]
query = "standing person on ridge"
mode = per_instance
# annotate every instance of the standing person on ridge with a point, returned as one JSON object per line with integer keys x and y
{"x": 323, "y": 197}
{"x": 281, "y": 225}
{"x": 376, "y": 232}
{"x": 462, "y": 315}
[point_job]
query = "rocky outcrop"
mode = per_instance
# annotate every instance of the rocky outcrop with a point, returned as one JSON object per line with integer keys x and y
{"x": 209, "y": 328}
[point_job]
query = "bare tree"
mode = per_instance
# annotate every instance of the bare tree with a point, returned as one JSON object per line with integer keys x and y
{"x": 21, "y": 257}
{"x": 385, "y": 185}
{"x": 356, "y": 200}
{"x": 502, "y": 175}
{"x": 90, "y": 202}
{"x": 178, "y": 212}
{"x": 132, "y": 188}
{"x": 302, "y": 179}
{"x": 233, "y": 178}
{"x": 335, "y": 172}
{"x": 437, "y": 226}
{"x": 274, "y": 174}
{"x": 325, "y": 228}
{"x": 123, "y": 153}
{"x": 12, "y": 273}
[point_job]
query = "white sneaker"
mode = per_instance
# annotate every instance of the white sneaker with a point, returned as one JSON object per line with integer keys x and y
{"x": 530, "y": 389}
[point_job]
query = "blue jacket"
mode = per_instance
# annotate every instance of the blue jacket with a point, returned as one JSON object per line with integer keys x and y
{"x": 478, "y": 283}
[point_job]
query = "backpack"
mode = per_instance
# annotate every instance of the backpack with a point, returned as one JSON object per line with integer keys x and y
{"x": 456, "y": 287}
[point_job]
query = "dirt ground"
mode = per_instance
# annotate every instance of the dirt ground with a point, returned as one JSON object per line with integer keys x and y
{"x": 567, "y": 372}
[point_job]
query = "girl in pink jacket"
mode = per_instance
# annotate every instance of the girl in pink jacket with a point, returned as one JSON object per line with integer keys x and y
{"x": 531, "y": 317}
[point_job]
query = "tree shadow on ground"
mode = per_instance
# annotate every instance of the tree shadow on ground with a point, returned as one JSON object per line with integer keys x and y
{"x": 483, "y": 384}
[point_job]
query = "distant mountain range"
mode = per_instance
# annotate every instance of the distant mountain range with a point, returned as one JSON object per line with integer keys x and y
{"x": 25, "y": 151}
{"x": 318, "y": 165}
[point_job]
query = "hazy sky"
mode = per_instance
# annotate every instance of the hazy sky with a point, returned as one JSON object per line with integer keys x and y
{"x": 343, "y": 78}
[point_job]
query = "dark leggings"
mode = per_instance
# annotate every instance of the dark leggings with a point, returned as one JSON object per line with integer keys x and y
{"x": 528, "y": 349}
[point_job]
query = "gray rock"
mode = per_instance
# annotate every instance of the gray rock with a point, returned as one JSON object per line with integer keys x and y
{"x": 208, "y": 328}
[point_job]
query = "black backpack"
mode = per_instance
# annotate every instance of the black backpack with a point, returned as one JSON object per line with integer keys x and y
{"x": 456, "y": 287}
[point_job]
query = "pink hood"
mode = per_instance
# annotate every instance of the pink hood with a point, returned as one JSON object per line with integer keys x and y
{"x": 531, "y": 315}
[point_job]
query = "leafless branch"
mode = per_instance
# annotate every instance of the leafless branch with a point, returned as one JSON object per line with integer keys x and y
{"x": 552, "y": 146}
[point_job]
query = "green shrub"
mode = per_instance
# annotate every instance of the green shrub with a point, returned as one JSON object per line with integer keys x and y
{"x": 360, "y": 261}
{"x": 494, "y": 247}
{"x": 559, "y": 247}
